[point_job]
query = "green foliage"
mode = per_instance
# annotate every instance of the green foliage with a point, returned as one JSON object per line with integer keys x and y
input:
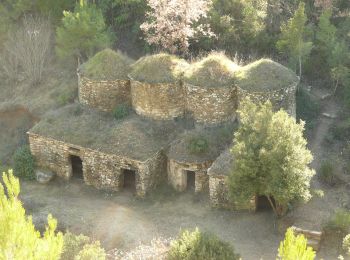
{"x": 18, "y": 237}
{"x": 346, "y": 244}
{"x": 81, "y": 247}
{"x": 121, "y": 111}
{"x": 271, "y": 157}
{"x": 295, "y": 247}
{"x": 67, "y": 96}
{"x": 82, "y": 33}
{"x": 339, "y": 222}
{"x": 54, "y": 9}
{"x": 341, "y": 130}
{"x": 198, "y": 145}
{"x": 327, "y": 174}
{"x": 307, "y": 108}
{"x": 198, "y": 245}
{"x": 24, "y": 164}
{"x": 292, "y": 41}
{"x": 108, "y": 64}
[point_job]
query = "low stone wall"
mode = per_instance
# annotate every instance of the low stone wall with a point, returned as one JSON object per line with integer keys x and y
{"x": 177, "y": 176}
{"x": 104, "y": 95}
{"x": 282, "y": 98}
{"x": 211, "y": 105}
{"x": 219, "y": 195}
{"x": 101, "y": 170}
{"x": 158, "y": 101}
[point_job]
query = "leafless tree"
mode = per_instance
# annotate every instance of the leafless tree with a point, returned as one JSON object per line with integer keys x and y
{"x": 28, "y": 49}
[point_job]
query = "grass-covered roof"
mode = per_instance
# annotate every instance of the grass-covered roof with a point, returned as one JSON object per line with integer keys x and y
{"x": 132, "y": 137}
{"x": 158, "y": 68}
{"x": 107, "y": 65}
{"x": 213, "y": 71}
{"x": 264, "y": 75}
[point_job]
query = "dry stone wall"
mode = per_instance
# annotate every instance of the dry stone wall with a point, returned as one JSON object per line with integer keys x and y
{"x": 177, "y": 175}
{"x": 219, "y": 195}
{"x": 104, "y": 95}
{"x": 158, "y": 101}
{"x": 101, "y": 170}
{"x": 211, "y": 105}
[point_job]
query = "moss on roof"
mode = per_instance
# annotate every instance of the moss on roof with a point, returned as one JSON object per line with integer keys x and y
{"x": 213, "y": 71}
{"x": 133, "y": 137}
{"x": 223, "y": 165}
{"x": 107, "y": 65}
{"x": 264, "y": 75}
{"x": 158, "y": 68}
{"x": 218, "y": 138}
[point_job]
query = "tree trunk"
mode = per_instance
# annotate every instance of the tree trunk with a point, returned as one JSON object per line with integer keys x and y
{"x": 272, "y": 205}
{"x": 300, "y": 67}
{"x": 277, "y": 208}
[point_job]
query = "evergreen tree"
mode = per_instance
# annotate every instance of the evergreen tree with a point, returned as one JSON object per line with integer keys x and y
{"x": 82, "y": 33}
{"x": 292, "y": 42}
{"x": 18, "y": 237}
{"x": 271, "y": 157}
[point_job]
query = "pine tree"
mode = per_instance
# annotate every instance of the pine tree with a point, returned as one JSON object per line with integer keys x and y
{"x": 18, "y": 237}
{"x": 292, "y": 41}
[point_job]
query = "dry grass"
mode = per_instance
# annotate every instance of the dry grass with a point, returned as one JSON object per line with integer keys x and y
{"x": 158, "y": 68}
{"x": 264, "y": 75}
{"x": 131, "y": 137}
{"x": 213, "y": 71}
{"x": 107, "y": 65}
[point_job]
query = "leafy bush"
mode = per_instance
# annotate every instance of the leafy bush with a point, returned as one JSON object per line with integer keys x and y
{"x": 346, "y": 244}
{"x": 24, "y": 164}
{"x": 19, "y": 239}
{"x": 121, "y": 111}
{"x": 327, "y": 174}
{"x": 81, "y": 247}
{"x": 339, "y": 222}
{"x": 198, "y": 145}
{"x": 198, "y": 245}
{"x": 295, "y": 247}
{"x": 307, "y": 109}
{"x": 67, "y": 96}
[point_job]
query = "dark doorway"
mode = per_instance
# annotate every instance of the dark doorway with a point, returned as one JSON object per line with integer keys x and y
{"x": 129, "y": 180}
{"x": 191, "y": 180}
{"x": 263, "y": 203}
{"x": 77, "y": 167}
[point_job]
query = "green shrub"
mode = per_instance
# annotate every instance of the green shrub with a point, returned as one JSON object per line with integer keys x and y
{"x": 23, "y": 163}
{"x": 198, "y": 245}
{"x": 346, "y": 244}
{"x": 198, "y": 145}
{"x": 307, "y": 109}
{"x": 339, "y": 222}
{"x": 81, "y": 247}
{"x": 91, "y": 251}
{"x": 341, "y": 130}
{"x": 67, "y": 97}
{"x": 121, "y": 111}
{"x": 327, "y": 174}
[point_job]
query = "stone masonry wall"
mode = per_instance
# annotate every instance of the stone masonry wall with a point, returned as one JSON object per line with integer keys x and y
{"x": 178, "y": 179}
{"x": 283, "y": 98}
{"x": 104, "y": 95}
{"x": 211, "y": 105}
{"x": 158, "y": 101}
{"x": 219, "y": 196}
{"x": 103, "y": 171}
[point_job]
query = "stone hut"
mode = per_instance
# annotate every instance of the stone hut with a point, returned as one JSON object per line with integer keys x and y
{"x": 265, "y": 80}
{"x": 108, "y": 154}
{"x": 210, "y": 91}
{"x": 103, "y": 81}
{"x": 191, "y": 155}
{"x": 218, "y": 187}
{"x": 156, "y": 87}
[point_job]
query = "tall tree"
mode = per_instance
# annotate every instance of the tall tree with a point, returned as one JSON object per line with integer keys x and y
{"x": 18, "y": 237}
{"x": 171, "y": 24}
{"x": 271, "y": 157}
{"x": 293, "y": 41}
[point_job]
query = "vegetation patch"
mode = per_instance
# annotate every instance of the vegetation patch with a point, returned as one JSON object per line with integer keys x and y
{"x": 107, "y": 65}
{"x": 121, "y": 111}
{"x": 264, "y": 75}
{"x": 200, "y": 245}
{"x": 327, "y": 174}
{"x": 308, "y": 109}
{"x": 24, "y": 164}
{"x": 341, "y": 130}
{"x": 198, "y": 145}
{"x": 213, "y": 71}
{"x": 158, "y": 68}
{"x": 339, "y": 223}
